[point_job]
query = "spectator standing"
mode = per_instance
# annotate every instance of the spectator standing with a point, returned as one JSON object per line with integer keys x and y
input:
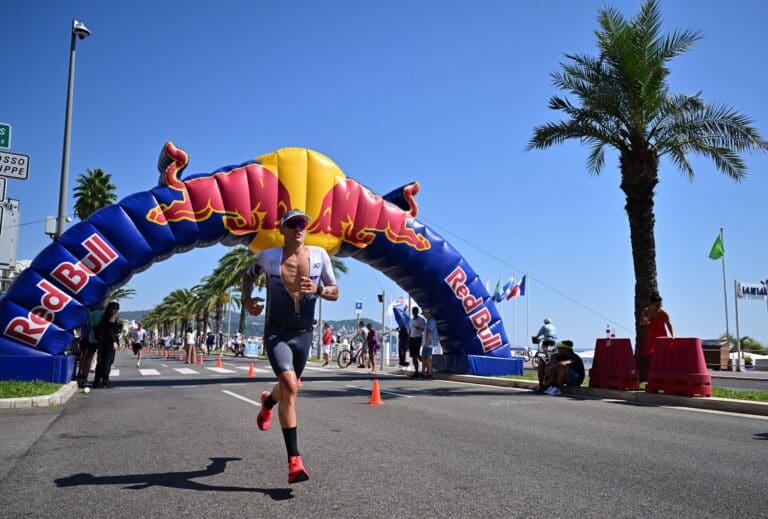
{"x": 106, "y": 327}
{"x": 415, "y": 334}
{"x": 88, "y": 347}
{"x": 429, "y": 342}
{"x": 189, "y": 347}
{"x": 402, "y": 345}
{"x": 327, "y": 339}
{"x": 372, "y": 343}
{"x": 657, "y": 323}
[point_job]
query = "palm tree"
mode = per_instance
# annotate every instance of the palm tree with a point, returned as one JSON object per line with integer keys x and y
{"x": 121, "y": 293}
{"x": 94, "y": 190}
{"x": 624, "y": 103}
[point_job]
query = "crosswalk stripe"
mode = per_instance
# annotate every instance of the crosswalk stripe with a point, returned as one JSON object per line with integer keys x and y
{"x": 221, "y": 370}
{"x": 114, "y": 372}
{"x": 312, "y": 368}
{"x": 186, "y": 371}
{"x": 256, "y": 370}
{"x": 148, "y": 372}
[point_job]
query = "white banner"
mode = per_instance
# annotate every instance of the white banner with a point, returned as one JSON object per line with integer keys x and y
{"x": 751, "y": 290}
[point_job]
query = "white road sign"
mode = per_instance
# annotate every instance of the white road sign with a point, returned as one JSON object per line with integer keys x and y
{"x": 14, "y": 165}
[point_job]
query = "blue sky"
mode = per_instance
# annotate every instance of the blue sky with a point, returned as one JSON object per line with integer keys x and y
{"x": 445, "y": 92}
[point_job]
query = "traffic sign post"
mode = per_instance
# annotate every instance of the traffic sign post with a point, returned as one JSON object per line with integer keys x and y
{"x": 5, "y": 136}
{"x": 14, "y": 165}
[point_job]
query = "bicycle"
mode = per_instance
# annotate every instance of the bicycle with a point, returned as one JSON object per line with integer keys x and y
{"x": 538, "y": 356}
{"x": 355, "y": 353}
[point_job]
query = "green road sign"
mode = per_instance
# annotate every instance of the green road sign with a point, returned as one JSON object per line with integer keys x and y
{"x": 5, "y": 136}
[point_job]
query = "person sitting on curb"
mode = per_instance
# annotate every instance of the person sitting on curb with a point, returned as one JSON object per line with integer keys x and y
{"x": 565, "y": 368}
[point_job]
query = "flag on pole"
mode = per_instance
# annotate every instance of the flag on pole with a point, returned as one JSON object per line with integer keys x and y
{"x": 718, "y": 251}
{"x": 518, "y": 289}
{"x": 506, "y": 289}
{"x": 496, "y": 296}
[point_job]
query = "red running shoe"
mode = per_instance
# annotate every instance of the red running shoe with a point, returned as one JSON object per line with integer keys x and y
{"x": 264, "y": 418}
{"x": 296, "y": 471}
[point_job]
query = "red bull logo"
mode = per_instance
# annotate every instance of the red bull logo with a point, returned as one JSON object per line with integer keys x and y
{"x": 354, "y": 213}
{"x": 252, "y": 198}
{"x": 249, "y": 198}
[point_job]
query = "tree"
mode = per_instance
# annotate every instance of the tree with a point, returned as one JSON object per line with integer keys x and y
{"x": 93, "y": 191}
{"x": 121, "y": 293}
{"x": 624, "y": 103}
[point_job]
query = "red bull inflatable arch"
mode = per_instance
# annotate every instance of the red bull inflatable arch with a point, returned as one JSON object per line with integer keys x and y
{"x": 242, "y": 204}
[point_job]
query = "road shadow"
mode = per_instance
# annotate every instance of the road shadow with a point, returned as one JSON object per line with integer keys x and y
{"x": 761, "y": 436}
{"x": 179, "y": 480}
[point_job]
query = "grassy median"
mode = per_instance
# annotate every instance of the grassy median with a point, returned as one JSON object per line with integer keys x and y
{"x": 16, "y": 389}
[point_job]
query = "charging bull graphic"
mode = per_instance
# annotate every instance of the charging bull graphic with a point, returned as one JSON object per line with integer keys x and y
{"x": 242, "y": 204}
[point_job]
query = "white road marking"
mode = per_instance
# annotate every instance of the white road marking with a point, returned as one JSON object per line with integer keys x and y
{"x": 382, "y": 391}
{"x": 164, "y": 365}
{"x": 186, "y": 371}
{"x": 221, "y": 370}
{"x": 114, "y": 372}
{"x": 255, "y": 370}
{"x": 148, "y": 372}
{"x": 312, "y": 368}
{"x": 715, "y": 411}
{"x": 230, "y": 393}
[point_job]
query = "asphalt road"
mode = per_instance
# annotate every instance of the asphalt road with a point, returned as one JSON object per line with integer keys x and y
{"x": 174, "y": 445}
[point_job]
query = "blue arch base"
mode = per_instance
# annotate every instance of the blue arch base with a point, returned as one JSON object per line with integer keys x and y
{"x": 57, "y": 369}
{"x": 481, "y": 365}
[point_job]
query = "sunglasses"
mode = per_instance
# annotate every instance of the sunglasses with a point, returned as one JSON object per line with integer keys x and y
{"x": 298, "y": 223}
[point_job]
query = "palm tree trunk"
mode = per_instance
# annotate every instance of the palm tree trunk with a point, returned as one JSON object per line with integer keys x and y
{"x": 218, "y": 325}
{"x": 241, "y": 325}
{"x": 639, "y": 177}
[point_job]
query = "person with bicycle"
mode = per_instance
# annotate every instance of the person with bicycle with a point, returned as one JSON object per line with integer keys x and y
{"x": 565, "y": 368}
{"x": 547, "y": 336}
{"x": 296, "y": 276}
{"x": 362, "y": 336}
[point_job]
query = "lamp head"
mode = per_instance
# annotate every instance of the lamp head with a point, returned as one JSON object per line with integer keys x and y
{"x": 80, "y": 30}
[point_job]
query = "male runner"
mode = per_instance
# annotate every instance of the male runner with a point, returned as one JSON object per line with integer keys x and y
{"x": 296, "y": 276}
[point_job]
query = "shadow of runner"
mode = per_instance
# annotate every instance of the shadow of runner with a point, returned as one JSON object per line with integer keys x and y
{"x": 181, "y": 480}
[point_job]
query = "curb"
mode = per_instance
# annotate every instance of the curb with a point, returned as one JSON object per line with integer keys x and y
{"x": 60, "y": 397}
{"x": 710, "y": 403}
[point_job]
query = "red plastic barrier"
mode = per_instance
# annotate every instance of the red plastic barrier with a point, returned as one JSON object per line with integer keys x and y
{"x": 614, "y": 365}
{"x": 678, "y": 368}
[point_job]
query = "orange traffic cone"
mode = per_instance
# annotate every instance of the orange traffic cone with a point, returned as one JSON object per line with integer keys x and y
{"x": 218, "y": 364}
{"x": 201, "y": 360}
{"x": 250, "y": 370}
{"x": 375, "y": 394}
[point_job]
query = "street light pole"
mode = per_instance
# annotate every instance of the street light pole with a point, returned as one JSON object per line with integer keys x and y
{"x": 79, "y": 30}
